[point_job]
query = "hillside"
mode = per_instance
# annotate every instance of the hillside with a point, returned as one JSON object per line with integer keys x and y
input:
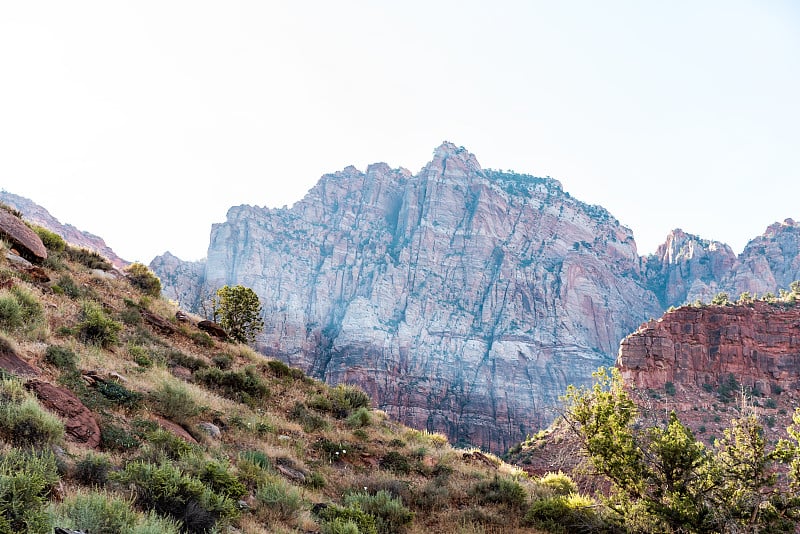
{"x": 155, "y": 416}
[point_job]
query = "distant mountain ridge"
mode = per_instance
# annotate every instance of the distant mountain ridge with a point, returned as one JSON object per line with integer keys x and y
{"x": 36, "y": 214}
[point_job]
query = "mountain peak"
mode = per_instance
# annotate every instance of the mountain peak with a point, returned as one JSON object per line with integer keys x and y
{"x": 452, "y": 161}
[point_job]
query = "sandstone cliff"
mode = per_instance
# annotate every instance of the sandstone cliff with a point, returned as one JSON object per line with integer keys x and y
{"x": 36, "y": 214}
{"x": 463, "y": 300}
{"x": 698, "y": 360}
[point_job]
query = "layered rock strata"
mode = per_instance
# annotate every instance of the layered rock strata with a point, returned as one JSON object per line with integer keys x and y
{"x": 462, "y": 300}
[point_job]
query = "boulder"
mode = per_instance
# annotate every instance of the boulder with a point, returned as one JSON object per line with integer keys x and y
{"x": 23, "y": 238}
{"x": 175, "y": 428}
{"x": 157, "y": 322}
{"x": 213, "y": 329}
{"x": 12, "y": 363}
{"x": 81, "y": 426}
{"x": 210, "y": 428}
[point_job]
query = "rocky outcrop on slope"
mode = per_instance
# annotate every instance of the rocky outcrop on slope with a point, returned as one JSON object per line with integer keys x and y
{"x": 36, "y": 214}
{"x": 700, "y": 360}
{"x": 463, "y": 300}
{"x": 180, "y": 280}
{"x": 22, "y": 238}
{"x": 687, "y": 267}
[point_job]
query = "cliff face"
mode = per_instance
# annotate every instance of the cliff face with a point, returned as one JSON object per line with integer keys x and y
{"x": 36, "y": 214}
{"x": 686, "y": 267}
{"x": 463, "y": 300}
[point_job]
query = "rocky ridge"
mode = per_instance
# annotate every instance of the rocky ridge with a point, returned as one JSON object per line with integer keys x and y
{"x": 463, "y": 300}
{"x": 36, "y": 214}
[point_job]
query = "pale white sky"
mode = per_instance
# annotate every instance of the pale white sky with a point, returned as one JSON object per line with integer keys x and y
{"x": 144, "y": 121}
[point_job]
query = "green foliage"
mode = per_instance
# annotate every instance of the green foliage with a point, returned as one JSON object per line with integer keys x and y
{"x": 162, "y": 444}
{"x": 565, "y": 514}
{"x": 176, "y": 357}
{"x": 281, "y": 370}
{"x": 310, "y": 421}
{"x": 53, "y": 242}
{"x": 24, "y": 423}
{"x": 795, "y": 287}
{"x": 280, "y": 498}
{"x": 61, "y": 357}
{"x": 669, "y": 388}
{"x": 113, "y": 437}
{"x": 165, "y": 489}
{"x": 10, "y": 312}
{"x": 93, "y": 469}
{"x": 559, "y": 483}
{"x": 389, "y": 513}
{"x": 65, "y": 284}
{"x": 88, "y": 258}
{"x": 244, "y": 386}
{"x": 30, "y": 308}
{"x": 335, "y": 519}
{"x": 396, "y": 463}
{"x": 19, "y": 308}
{"x": 119, "y": 394}
{"x": 174, "y": 401}
{"x": 500, "y": 491}
{"x": 144, "y": 279}
{"x": 201, "y": 339}
{"x": 222, "y": 361}
{"x": 238, "y": 310}
{"x": 721, "y": 299}
{"x": 217, "y": 476}
{"x": 26, "y": 480}
{"x": 96, "y": 327}
{"x": 728, "y": 388}
{"x": 96, "y": 512}
{"x": 360, "y": 418}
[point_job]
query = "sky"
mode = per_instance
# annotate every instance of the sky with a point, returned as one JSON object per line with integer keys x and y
{"x": 144, "y": 121}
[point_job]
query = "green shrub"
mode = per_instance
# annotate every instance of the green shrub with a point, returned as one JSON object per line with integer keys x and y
{"x": 192, "y": 363}
{"x": 95, "y": 512}
{"x": 389, "y": 513}
{"x": 165, "y": 489}
{"x": 669, "y": 388}
{"x": 201, "y": 339}
{"x": 222, "y": 361}
{"x": 500, "y": 491}
{"x": 30, "y": 308}
{"x": 144, "y": 279}
{"x": 152, "y": 523}
{"x": 27, "y": 424}
{"x": 140, "y": 356}
{"x": 26, "y": 480}
{"x": 770, "y": 403}
{"x": 244, "y": 386}
{"x": 346, "y": 398}
{"x": 67, "y": 285}
{"x": 175, "y": 401}
{"x": 396, "y": 463}
{"x": 119, "y": 394}
{"x": 565, "y": 514}
{"x": 360, "y": 418}
{"x": 164, "y": 444}
{"x": 335, "y": 519}
{"x": 310, "y": 421}
{"x": 219, "y": 478}
{"x": 559, "y": 483}
{"x": 96, "y": 327}
{"x": 113, "y": 437}
{"x": 88, "y": 258}
{"x": 131, "y": 316}
{"x": 61, "y": 357}
{"x": 281, "y": 499}
{"x": 51, "y": 240}
{"x": 93, "y": 469}
{"x": 10, "y": 312}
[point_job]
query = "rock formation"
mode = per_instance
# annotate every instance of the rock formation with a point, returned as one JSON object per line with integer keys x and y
{"x": 25, "y": 240}
{"x": 463, "y": 300}
{"x": 36, "y": 214}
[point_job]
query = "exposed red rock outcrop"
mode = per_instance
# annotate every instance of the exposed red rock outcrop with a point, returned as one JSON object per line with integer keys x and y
{"x": 79, "y": 421}
{"x": 23, "y": 238}
{"x": 11, "y": 362}
{"x": 38, "y": 215}
{"x": 758, "y": 343}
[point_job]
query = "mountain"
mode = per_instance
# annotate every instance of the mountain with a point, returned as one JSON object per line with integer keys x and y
{"x": 463, "y": 300}
{"x": 36, "y": 214}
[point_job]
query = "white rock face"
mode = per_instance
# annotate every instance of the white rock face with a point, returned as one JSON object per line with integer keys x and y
{"x": 462, "y": 300}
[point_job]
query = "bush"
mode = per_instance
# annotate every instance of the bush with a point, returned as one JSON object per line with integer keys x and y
{"x": 65, "y": 284}
{"x": 337, "y": 519}
{"x": 93, "y": 469}
{"x": 669, "y": 388}
{"x": 95, "y": 512}
{"x": 51, "y": 240}
{"x": 360, "y": 418}
{"x": 310, "y": 421}
{"x": 222, "y": 361}
{"x": 500, "y": 491}
{"x": 167, "y": 491}
{"x": 119, "y": 394}
{"x": 113, "y": 437}
{"x": 396, "y": 463}
{"x": 174, "y": 401}
{"x": 61, "y": 357}
{"x": 144, "y": 279}
{"x": 96, "y": 327}
{"x": 192, "y": 363}
{"x": 30, "y": 309}
{"x": 162, "y": 444}
{"x": 140, "y": 356}
{"x": 26, "y": 480}
{"x": 201, "y": 339}
{"x": 218, "y": 477}
{"x": 282, "y": 500}
{"x": 389, "y": 513}
{"x": 10, "y": 312}
{"x": 566, "y": 514}
{"x": 242, "y": 386}
{"x": 27, "y": 424}
{"x": 559, "y": 483}
{"x": 88, "y": 258}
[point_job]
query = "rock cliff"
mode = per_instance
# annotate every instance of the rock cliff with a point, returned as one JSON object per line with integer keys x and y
{"x": 698, "y": 360}
{"x": 463, "y": 300}
{"x": 38, "y": 215}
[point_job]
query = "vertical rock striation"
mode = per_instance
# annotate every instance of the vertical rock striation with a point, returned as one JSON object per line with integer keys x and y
{"x": 463, "y": 300}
